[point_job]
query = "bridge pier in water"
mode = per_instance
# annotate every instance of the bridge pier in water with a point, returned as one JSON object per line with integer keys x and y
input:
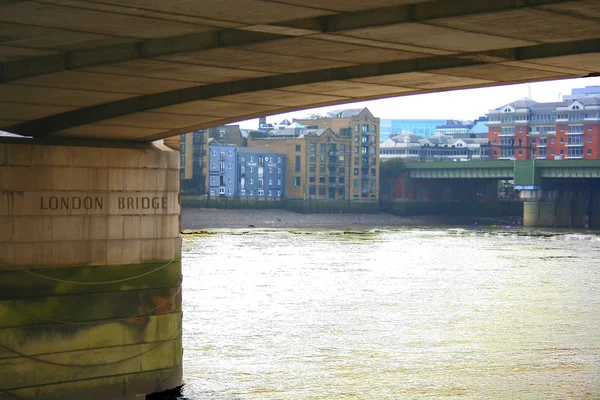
{"x": 562, "y": 208}
{"x": 90, "y": 272}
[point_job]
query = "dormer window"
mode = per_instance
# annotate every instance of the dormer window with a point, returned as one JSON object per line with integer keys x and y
{"x": 576, "y": 107}
{"x": 507, "y": 110}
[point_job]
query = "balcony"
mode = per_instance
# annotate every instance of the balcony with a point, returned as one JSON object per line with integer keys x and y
{"x": 574, "y": 144}
{"x": 368, "y": 133}
{"x": 334, "y": 185}
{"x": 545, "y": 144}
{"x": 333, "y": 164}
{"x": 333, "y": 153}
{"x": 569, "y": 133}
{"x": 511, "y": 134}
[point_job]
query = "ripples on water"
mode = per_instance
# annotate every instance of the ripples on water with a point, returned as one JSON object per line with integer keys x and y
{"x": 413, "y": 313}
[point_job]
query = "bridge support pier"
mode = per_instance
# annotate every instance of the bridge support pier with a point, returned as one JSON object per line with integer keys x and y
{"x": 557, "y": 208}
{"x": 90, "y": 274}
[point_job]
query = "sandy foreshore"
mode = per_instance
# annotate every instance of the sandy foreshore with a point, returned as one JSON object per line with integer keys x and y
{"x": 200, "y": 219}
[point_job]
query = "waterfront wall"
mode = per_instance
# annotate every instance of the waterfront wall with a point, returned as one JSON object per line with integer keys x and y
{"x": 302, "y": 206}
{"x": 90, "y": 274}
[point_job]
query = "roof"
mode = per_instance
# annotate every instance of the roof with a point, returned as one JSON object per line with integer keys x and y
{"x": 344, "y": 113}
{"x": 480, "y": 127}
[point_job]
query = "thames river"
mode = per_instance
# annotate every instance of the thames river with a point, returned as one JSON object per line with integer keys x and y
{"x": 392, "y": 314}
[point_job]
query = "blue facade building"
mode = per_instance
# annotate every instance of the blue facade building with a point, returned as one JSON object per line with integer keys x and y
{"x": 245, "y": 172}
{"x": 261, "y": 173}
{"x": 222, "y": 170}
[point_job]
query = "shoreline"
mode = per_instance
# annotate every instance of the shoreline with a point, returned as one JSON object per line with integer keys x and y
{"x": 195, "y": 220}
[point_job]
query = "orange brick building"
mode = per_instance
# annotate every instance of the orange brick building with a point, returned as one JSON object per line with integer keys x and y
{"x": 526, "y": 129}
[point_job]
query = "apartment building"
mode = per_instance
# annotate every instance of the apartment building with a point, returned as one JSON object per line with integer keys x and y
{"x": 329, "y": 157}
{"x": 245, "y": 172}
{"x": 526, "y": 129}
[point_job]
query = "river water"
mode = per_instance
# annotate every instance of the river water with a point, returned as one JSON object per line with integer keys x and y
{"x": 392, "y": 314}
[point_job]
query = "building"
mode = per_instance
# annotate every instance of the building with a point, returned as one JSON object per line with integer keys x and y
{"x": 222, "y": 170}
{"x": 245, "y": 172}
{"x": 193, "y": 173}
{"x": 454, "y": 128}
{"x": 420, "y": 127}
{"x": 526, "y": 129}
{"x": 329, "y": 157}
{"x": 434, "y": 148}
{"x": 193, "y": 149}
{"x": 261, "y": 173}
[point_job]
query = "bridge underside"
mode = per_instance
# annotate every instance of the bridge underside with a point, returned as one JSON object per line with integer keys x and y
{"x": 148, "y": 69}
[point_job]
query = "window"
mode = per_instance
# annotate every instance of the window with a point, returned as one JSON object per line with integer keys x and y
{"x": 213, "y": 153}
{"x": 243, "y": 159}
{"x": 312, "y": 147}
{"x": 228, "y": 179}
{"x": 212, "y": 192}
{"x": 552, "y": 152}
{"x": 221, "y": 190}
{"x": 321, "y": 190}
{"x": 261, "y": 192}
{"x": 297, "y": 163}
{"x": 279, "y": 193}
{"x": 322, "y": 168}
{"x": 312, "y": 190}
{"x": 230, "y": 153}
{"x": 552, "y": 140}
{"x": 374, "y": 128}
{"x": 243, "y": 192}
{"x": 520, "y": 152}
{"x": 562, "y": 140}
{"x": 356, "y": 128}
{"x": 355, "y": 139}
{"x": 229, "y": 191}
{"x": 355, "y": 171}
{"x": 213, "y": 166}
{"x": 270, "y": 194}
{"x": 213, "y": 179}
{"x": 221, "y": 155}
{"x": 251, "y": 181}
{"x": 251, "y": 159}
{"x": 321, "y": 179}
{"x": 562, "y": 152}
{"x": 311, "y": 168}
{"x": 260, "y": 183}
{"x": 322, "y": 158}
{"x": 278, "y": 170}
{"x": 589, "y": 139}
{"x": 221, "y": 133}
{"x": 355, "y": 149}
{"x": 311, "y": 179}
{"x": 229, "y": 166}
{"x": 251, "y": 193}
{"x": 296, "y": 181}
{"x": 278, "y": 182}
{"x": 270, "y": 170}
{"x": 322, "y": 147}
{"x": 355, "y": 184}
{"x": 342, "y": 147}
{"x": 298, "y": 148}
{"x": 365, "y": 128}
{"x": 279, "y": 160}
{"x": 312, "y": 158}
{"x": 251, "y": 169}
{"x": 270, "y": 182}
{"x": 589, "y": 151}
{"x": 356, "y": 161}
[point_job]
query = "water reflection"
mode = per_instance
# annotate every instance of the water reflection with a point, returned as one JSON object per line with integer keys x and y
{"x": 413, "y": 313}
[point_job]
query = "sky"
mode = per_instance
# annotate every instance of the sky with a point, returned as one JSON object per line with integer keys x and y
{"x": 467, "y": 104}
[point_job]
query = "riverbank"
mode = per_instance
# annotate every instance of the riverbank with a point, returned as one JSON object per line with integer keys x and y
{"x": 199, "y": 219}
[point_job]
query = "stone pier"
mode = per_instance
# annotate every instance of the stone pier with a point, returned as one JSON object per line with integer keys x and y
{"x": 90, "y": 274}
